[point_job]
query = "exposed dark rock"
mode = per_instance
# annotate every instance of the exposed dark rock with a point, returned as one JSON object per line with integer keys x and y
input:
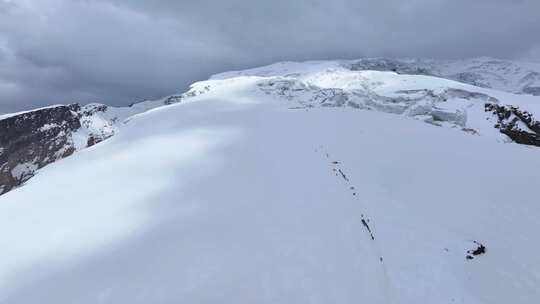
{"x": 92, "y": 109}
{"x": 479, "y": 250}
{"x": 93, "y": 140}
{"x": 173, "y": 99}
{"x": 508, "y": 122}
{"x": 32, "y": 140}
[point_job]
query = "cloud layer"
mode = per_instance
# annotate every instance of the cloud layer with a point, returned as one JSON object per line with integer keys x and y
{"x": 121, "y": 51}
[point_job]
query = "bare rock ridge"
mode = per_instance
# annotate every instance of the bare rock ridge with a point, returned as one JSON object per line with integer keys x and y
{"x": 32, "y": 140}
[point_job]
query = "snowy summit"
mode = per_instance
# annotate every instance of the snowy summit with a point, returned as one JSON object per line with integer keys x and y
{"x": 363, "y": 181}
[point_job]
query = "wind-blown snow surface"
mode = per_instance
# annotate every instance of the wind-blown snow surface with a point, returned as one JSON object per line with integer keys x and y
{"x": 238, "y": 196}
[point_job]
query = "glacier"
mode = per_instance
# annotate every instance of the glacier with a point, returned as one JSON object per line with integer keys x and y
{"x": 292, "y": 183}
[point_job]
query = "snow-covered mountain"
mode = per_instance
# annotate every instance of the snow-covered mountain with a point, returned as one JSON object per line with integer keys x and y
{"x": 510, "y": 76}
{"x": 37, "y": 138}
{"x": 314, "y": 182}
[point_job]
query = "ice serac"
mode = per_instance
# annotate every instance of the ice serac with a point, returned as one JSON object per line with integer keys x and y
{"x": 403, "y": 88}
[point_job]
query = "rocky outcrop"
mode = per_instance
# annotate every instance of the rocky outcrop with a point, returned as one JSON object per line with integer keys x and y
{"x": 97, "y": 124}
{"x": 31, "y": 140}
{"x": 517, "y": 124}
{"x": 34, "y": 139}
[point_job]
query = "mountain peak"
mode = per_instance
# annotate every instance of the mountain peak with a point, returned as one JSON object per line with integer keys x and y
{"x": 285, "y": 183}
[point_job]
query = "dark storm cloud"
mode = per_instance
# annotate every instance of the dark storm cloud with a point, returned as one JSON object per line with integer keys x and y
{"x": 113, "y": 51}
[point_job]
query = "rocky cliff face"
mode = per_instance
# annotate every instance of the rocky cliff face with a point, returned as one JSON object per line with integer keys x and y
{"x": 32, "y": 140}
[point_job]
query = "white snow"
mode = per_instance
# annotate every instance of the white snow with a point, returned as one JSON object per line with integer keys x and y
{"x": 23, "y": 170}
{"x": 47, "y": 127}
{"x": 505, "y": 75}
{"x": 331, "y": 83}
{"x": 236, "y": 195}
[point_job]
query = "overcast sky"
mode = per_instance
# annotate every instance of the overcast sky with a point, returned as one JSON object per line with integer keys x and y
{"x": 121, "y": 51}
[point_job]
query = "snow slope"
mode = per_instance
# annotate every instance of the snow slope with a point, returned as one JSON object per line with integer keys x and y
{"x": 33, "y": 139}
{"x": 238, "y": 195}
{"x": 407, "y": 87}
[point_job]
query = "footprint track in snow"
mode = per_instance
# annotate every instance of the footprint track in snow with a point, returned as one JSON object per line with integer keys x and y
{"x": 340, "y": 172}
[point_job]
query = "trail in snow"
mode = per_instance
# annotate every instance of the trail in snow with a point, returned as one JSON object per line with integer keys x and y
{"x": 339, "y": 172}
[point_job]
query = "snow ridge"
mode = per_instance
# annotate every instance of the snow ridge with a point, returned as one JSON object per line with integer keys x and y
{"x": 412, "y": 88}
{"x": 292, "y": 183}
